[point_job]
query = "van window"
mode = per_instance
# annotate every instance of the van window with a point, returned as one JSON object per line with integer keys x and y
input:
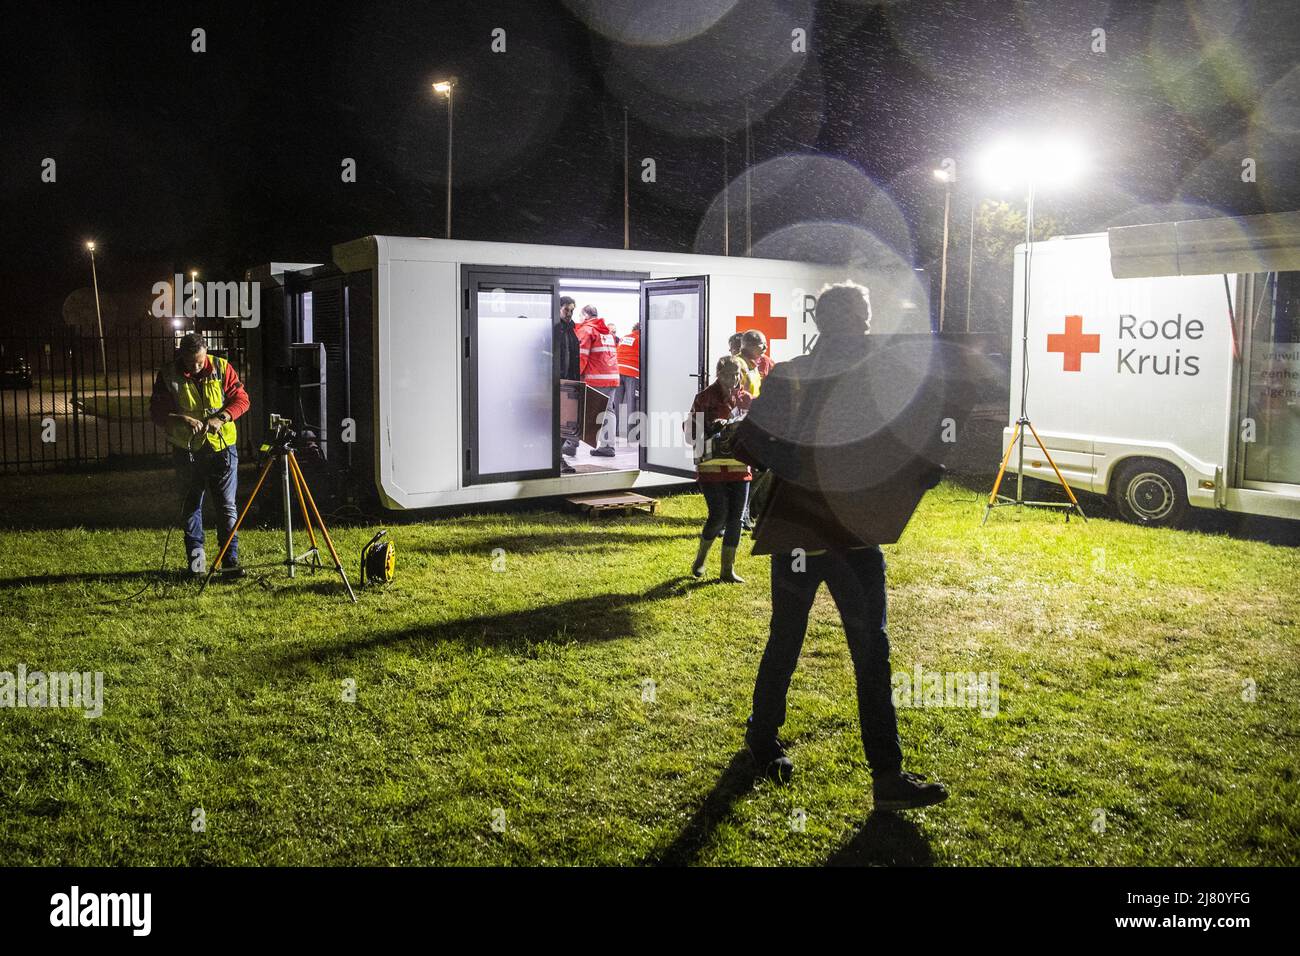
{"x": 1273, "y": 383}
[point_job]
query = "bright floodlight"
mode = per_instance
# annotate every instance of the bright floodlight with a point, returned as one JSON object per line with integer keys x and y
{"x": 90, "y": 246}
{"x": 941, "y": 175}
{"x": 443, "y": 86}
{"x": 1047, "y": 161}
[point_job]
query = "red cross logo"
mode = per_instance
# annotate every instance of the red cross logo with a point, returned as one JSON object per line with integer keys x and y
{"x": 1073, "y": 343}
{"x": 772, "y": 326}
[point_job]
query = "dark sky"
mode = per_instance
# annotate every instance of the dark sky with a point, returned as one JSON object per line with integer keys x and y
{"x": 227, "y": 158}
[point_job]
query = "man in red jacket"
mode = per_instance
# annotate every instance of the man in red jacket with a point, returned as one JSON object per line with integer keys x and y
{"x": 598, "y": 359}
{"x": 196, "y": 399}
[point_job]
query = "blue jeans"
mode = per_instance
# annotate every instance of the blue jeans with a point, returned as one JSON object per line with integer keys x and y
{"x": 726, "y": 500}
{"x": 609, "y": 424}
{"x": 216, "y": 472}
{"x": 856, "y": 580}
{"x": 625, "y": 397}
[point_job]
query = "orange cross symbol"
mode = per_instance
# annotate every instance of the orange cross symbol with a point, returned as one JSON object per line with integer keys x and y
{"x": 1073, "y": 343}
{"x": 772, "y": 326}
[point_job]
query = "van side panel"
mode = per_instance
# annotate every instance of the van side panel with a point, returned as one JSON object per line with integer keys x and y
{"x": 1121, "y": 367}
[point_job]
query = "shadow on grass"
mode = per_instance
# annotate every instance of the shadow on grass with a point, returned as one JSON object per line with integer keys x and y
{"x": 45, "y": 580}
{"x": 886, "y": 839}
{"x": 565, "y": 539}
{"x": 736, "y": 780}
{"x": 600, "y": 617}
{"x": 1242, "y": 527}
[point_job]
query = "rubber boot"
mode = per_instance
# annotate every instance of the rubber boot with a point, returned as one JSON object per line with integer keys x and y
{"x": 729, "y": 566}
{"x": 701, "y": 556}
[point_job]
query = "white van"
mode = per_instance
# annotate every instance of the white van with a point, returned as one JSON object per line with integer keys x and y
{"x": 431, "y": 367}
{"x": 1164, "y": 365}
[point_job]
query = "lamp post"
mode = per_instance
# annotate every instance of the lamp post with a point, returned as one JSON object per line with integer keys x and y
{"x": 945, "y": 177}
{"x": 970, "y": 263}
{"x": 447, "y": 88}
{"x": 99, "y": 317}
{"x": 1048, "y": 162}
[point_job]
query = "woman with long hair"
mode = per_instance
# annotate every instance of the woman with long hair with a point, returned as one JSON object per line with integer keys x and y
{"x": 723, "y": 485}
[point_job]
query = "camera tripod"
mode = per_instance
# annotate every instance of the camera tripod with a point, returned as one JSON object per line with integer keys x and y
{"x": 291, "y": 472}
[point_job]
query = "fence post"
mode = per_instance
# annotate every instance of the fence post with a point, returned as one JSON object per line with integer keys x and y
{"x": 75, "y": 417}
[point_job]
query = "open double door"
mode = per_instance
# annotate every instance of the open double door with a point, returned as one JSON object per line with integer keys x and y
{"x": 510, "y": 373}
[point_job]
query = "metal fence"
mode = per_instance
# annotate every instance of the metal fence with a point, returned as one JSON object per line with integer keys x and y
{"x": 63, "y": 403}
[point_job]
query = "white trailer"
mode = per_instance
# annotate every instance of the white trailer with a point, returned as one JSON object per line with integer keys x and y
{"x": 439, "y": 353}
{"x": 1164, "y": 365}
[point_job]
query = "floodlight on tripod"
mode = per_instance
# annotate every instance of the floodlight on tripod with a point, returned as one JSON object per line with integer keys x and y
{"x": 1046, "y": 162}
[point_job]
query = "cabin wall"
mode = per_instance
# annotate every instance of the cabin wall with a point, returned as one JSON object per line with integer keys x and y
{"x": 419, "y": 368}
{"x": 418, "y": 343}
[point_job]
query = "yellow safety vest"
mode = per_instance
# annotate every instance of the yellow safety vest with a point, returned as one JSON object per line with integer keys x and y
{"x": 199, "y": 398}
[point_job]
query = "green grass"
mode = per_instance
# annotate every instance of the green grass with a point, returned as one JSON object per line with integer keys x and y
{"x": 1121, "y": 677}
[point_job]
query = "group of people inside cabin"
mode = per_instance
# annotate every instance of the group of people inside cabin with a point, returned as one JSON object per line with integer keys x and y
{"x": 738, "y": 381}
{"x": 591, "y": 351}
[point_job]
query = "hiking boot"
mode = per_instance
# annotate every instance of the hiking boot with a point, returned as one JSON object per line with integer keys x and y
{"x": 770, "y": 757}
{"x": 606, "y": 452}
{"x": 906, "y": 791}
{"x": 567, "y": 469}
{"x": 231, "y": 572}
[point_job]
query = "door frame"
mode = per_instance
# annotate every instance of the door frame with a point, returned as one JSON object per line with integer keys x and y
{"x": 521, "y": 280}
{"x": 700, "y": 285}
{"x": 526, "y": 278}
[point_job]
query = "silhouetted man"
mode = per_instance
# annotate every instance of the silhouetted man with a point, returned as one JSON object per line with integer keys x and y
{"x": 820, "y": 419}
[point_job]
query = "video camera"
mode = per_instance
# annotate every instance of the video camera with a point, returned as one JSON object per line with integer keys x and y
{"x": 283, "y": 437}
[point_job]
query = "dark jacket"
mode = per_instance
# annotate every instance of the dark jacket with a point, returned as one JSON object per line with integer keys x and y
{"x": 567, "y": 350}
{"x": 853, "y": 434}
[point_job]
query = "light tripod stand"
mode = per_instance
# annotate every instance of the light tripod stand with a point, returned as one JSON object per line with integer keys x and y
{"x": 291, "y": 474}
{"x": 1018, "y": 436}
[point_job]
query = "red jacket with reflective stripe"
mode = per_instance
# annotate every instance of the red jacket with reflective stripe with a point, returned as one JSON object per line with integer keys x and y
{"x": 597, "y": 354}
{"x": 629, "y": 356}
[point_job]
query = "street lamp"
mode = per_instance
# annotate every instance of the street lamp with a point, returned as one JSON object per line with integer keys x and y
{"x": 945, "y": 177}
{"x": 99, "y": 317}
{"x": 447, "y": 88}
{"x": 970, "y": 261}
{"x": 1051, "y": 161}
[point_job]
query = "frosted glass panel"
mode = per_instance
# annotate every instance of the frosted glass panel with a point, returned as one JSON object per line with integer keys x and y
{"x": 672, "y": 360}
{"x": 1272, "y": 378}
{"x": 516, "y": 388}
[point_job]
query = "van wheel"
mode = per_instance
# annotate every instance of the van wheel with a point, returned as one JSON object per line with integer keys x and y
{"x": 1150, "y": 492}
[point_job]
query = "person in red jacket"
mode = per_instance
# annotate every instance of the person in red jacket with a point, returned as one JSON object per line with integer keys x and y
{"x": 725, "y": 487}
{"x": 196, "y": 399}
{"x": 629, "y": 375}
{"x": 598, "y": 361}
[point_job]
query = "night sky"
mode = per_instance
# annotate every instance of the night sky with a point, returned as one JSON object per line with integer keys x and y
{"x": 231, "y": 157}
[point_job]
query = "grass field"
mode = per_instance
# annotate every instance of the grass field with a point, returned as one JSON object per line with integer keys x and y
{"x": 1125, "y": 732}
